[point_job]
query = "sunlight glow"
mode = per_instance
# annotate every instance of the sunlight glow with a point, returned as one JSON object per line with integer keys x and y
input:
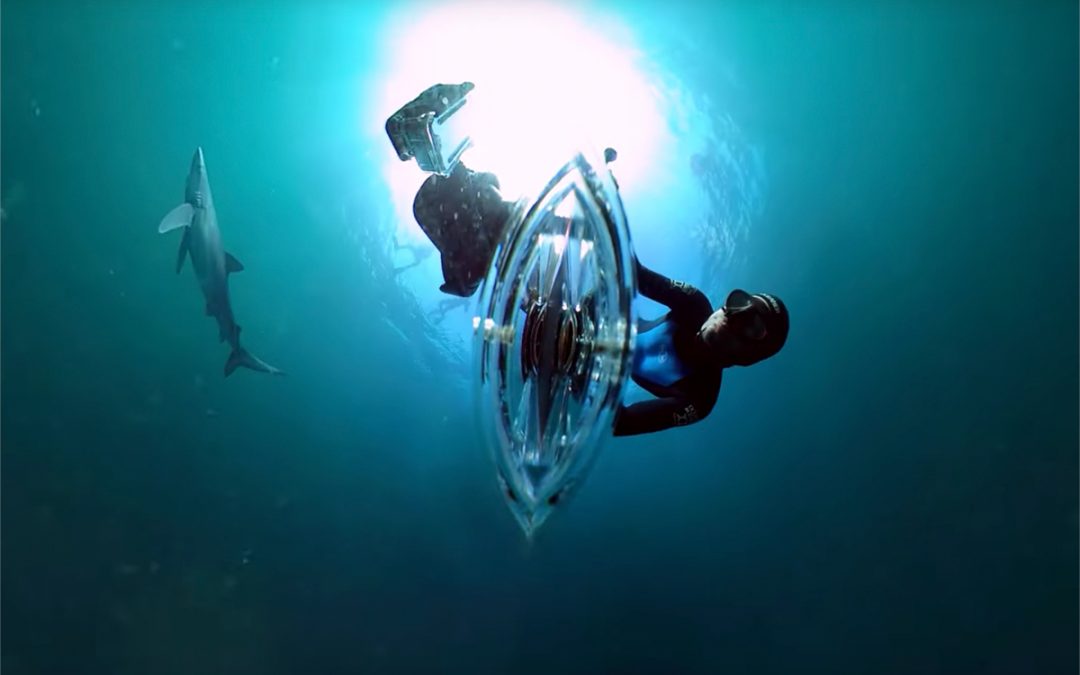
{"x": 547, "y": 82}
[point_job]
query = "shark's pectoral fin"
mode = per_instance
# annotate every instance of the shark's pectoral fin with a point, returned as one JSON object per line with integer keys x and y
{"x": 232, "y": 264}
{"x": 182, "y": 253}
{"x": 179, "y": 217}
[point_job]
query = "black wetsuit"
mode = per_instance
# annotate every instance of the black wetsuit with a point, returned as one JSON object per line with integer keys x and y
{"x": 690, "y": 397}
{"x": 464, "y": 216}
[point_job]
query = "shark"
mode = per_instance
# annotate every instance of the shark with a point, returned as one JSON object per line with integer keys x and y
{"x": 201, "y": 242}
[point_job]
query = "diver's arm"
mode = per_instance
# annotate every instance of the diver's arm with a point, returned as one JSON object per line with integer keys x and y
{"x": 656, "y": 415}
{"x": 678, "y": 295}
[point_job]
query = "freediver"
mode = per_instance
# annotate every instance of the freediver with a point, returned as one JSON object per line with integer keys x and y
{"x": 419, "y": 254}
{"x": 446, "y": 306}
{"x": 680, "y": 358}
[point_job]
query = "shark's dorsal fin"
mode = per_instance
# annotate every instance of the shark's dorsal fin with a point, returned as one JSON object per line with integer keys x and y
{"x": 179, "y": 217}
{"x": 182, "y": 253}
{"x": 232, "y": 264}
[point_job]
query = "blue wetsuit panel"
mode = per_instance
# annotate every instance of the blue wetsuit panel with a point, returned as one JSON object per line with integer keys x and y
{"x": 669, "y": 362}
{"x": 654, "y": 355}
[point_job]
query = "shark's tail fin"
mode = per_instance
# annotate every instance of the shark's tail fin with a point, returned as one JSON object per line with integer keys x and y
{"x": 242, "y": 357}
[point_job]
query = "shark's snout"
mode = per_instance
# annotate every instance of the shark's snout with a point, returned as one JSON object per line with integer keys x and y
{"x": 196, "y": 179}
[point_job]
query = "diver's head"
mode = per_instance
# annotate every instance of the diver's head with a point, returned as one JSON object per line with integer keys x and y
{"x": 747, "y": 329}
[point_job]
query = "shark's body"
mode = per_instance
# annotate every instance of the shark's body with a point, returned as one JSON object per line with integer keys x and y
{"x": 202, "y": 243}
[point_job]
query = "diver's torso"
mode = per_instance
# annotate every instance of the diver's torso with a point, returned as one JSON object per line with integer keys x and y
{"x": 671, "y": 361}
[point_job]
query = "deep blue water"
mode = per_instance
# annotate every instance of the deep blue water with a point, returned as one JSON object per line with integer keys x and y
{"x": 896, "y": 492}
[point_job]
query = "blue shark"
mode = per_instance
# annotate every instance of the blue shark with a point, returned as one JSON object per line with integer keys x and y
{"x": 212, "y": 264}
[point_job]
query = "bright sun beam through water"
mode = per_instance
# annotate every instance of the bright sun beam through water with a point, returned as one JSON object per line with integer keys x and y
{"x": 548, "y": 80}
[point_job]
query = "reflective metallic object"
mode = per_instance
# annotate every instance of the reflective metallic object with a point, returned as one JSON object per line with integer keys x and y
{"x": 554, "y": 337}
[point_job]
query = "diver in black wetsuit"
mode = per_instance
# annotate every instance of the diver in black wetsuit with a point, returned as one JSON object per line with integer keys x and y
{"x": 679, "y": 358}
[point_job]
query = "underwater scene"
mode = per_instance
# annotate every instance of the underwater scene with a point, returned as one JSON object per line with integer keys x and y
{"x": 443, "y": 336}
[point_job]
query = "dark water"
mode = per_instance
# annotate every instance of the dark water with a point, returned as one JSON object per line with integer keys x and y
{"x": 895, "y": 492}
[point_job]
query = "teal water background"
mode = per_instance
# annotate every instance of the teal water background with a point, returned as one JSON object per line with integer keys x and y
{"x": 896, "y": 492}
